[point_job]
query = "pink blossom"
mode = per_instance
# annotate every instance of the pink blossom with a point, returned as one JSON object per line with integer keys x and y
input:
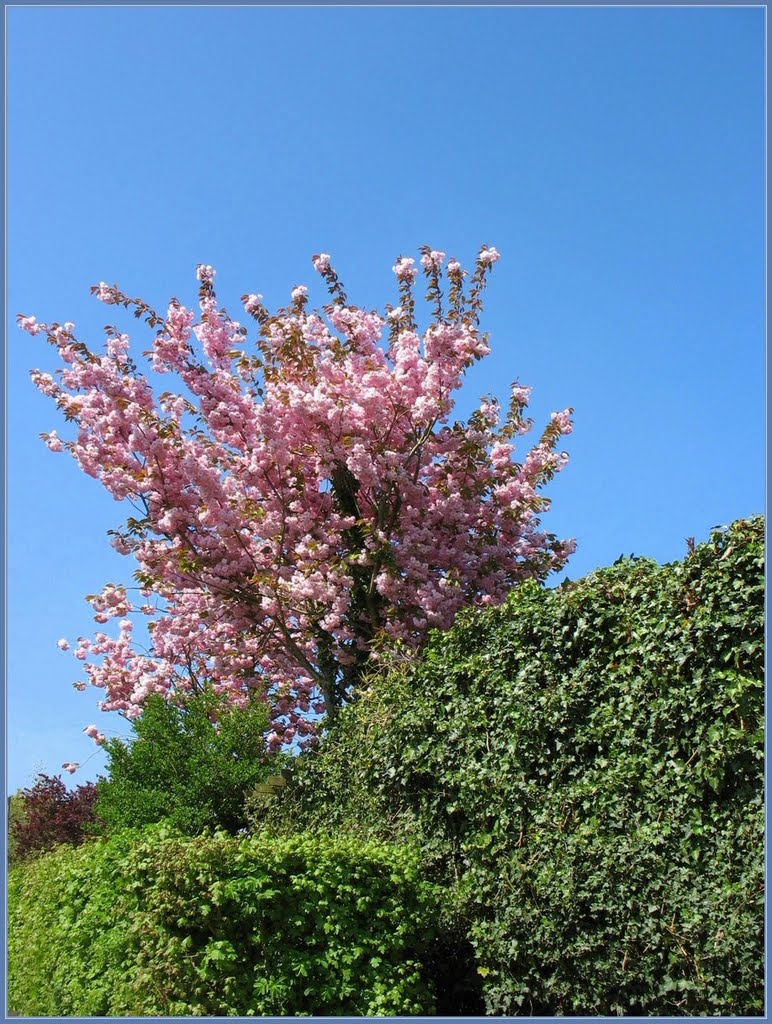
{"x": 301, "y": 292}
{"x": 205, "y": 273}
{"x": 93, "y": 733}
{"x": 71, "y": 766}
{"x": 106, "y": 294}
{"x": 29, "y": 324}
{"x": 490, "y": 412}
{"x": 309, "y": 483}
{"x": 118, "y": 347}
{"x": 45, "y": 383}
{"x": 405, "y": 269}
{"x": 433, "y": 260}
{"x": 53, "y": 441}
{"x": 562, "y": 421}
{"x": 488, "y": 257}
{"x": 63, "y": 644}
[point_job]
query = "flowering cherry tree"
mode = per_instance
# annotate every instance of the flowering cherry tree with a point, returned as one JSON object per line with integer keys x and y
{"x": 304, "y": 499}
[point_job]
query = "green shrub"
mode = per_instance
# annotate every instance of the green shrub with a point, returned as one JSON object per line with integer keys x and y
{"x": 16, "y": 820}
{"x": 69, "y": 947}
{"x": 583, "y": 769}
{"x": 158, "y": 924}
{"x": 193, "y": 765}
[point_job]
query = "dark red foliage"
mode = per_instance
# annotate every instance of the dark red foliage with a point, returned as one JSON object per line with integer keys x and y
{"x": 51, "y": 815}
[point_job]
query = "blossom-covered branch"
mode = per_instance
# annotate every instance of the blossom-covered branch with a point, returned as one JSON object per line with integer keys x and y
{"x": 303, "y": 499}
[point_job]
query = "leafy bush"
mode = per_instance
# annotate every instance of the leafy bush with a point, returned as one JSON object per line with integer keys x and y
{"x": 47, "y": 814}
{"x": 155, "y": 923}
{"x": 192, "y": 764}
{"x": 15, "y": 819}
{"x": 583, "y": 768}
{"x": 68, "y": 931}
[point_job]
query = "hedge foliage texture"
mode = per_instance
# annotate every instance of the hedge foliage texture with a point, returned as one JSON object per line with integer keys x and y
{"x": 557, "y": 809}
{"x": 583, "y": 769}
{"x": 157, "y": 924}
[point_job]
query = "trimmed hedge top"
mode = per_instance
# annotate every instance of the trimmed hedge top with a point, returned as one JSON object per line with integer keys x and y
{"x": 158, "y": 924}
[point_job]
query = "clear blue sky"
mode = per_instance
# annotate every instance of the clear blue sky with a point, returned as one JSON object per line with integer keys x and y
{"x": 615, "y": 157}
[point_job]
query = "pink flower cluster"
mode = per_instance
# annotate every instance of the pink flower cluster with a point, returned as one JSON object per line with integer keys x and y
{"x": 405, "y": 269}
{"x": 301, "y": 502}
{"x": 433, "y": 260}
{"x": 205, "y": 273}
{"x": 488, "y": 256}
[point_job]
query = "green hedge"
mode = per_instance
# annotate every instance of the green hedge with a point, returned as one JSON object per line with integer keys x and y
{"x": 154, "y": 923}
{"x": 583, "y": 769}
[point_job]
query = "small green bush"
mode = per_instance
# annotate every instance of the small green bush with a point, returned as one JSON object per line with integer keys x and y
{"x": 583, "y": 770}
{"x": 157, "y": 924}
{"x": 192, "y": 764}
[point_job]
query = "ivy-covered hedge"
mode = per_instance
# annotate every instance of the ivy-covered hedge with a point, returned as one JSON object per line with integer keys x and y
{"x": 583, "y": 769}
{"x": 156, "y": 924}
{"x": 582, "y": 772}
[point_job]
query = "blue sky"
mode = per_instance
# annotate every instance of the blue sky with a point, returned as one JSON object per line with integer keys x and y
{"x": 614, "y": 156}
